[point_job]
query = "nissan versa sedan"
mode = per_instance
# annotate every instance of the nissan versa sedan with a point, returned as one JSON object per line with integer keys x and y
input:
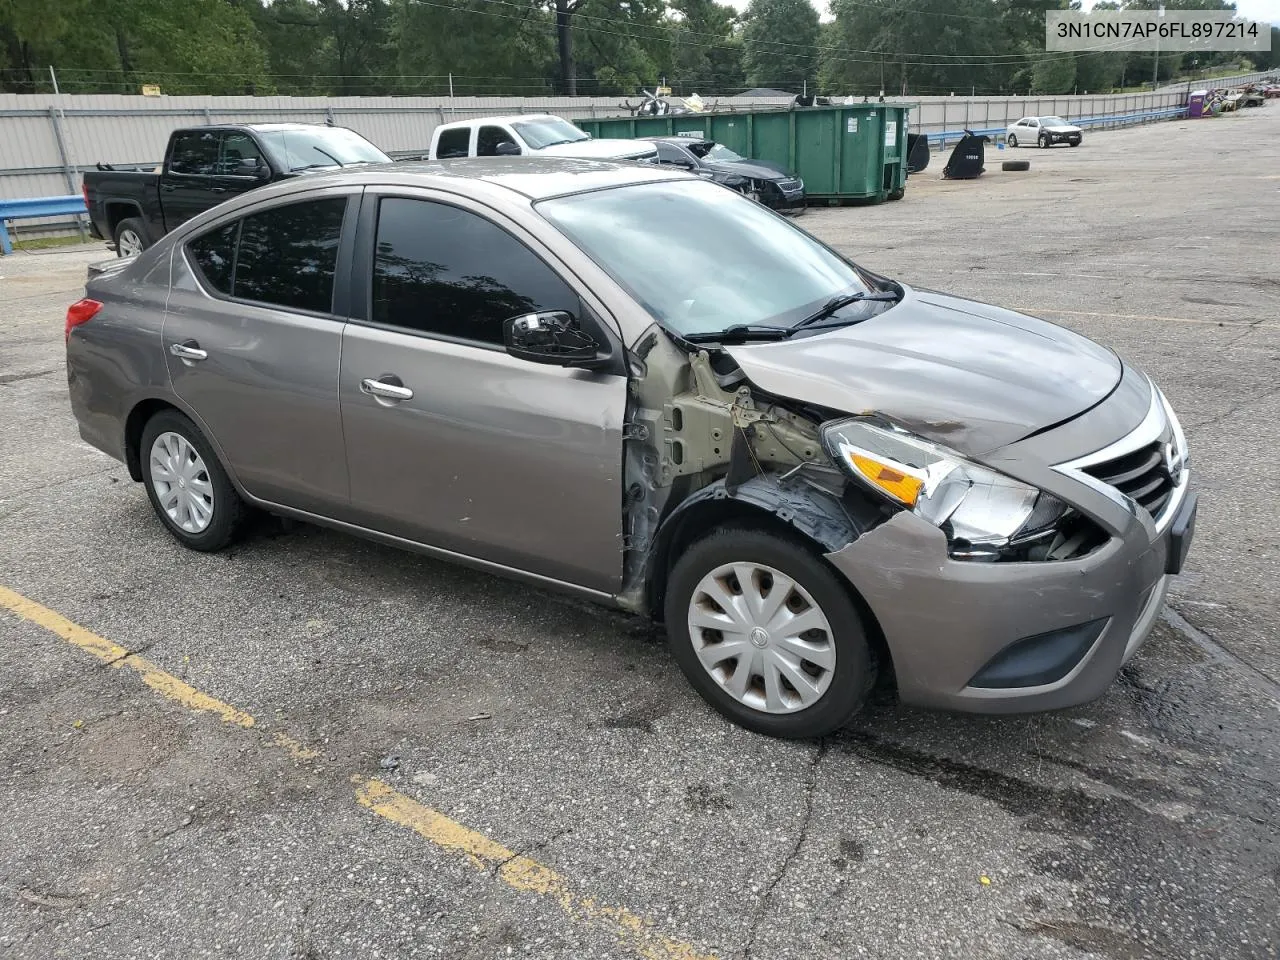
{"x": 640, "y": 387}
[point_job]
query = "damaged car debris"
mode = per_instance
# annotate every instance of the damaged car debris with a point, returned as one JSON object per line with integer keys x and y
{"x": 635, "y": 385}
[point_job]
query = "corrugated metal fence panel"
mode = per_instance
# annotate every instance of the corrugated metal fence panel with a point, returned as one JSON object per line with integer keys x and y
{"x": 123, "y": 129}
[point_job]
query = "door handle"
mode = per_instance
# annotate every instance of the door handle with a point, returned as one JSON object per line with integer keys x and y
{"x": 217, "y": 189}
{"x": 189, "y": 352}
{"x": 168, "y": 187}
{"x": 381, "y": 389}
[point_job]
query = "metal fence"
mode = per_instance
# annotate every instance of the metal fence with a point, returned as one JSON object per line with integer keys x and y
{"x": 47, "y": 140}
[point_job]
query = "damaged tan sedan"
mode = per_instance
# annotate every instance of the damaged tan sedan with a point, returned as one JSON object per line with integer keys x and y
{"x": 637, "y": 386}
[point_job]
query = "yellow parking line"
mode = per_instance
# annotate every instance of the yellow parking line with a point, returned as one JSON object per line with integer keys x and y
{"x": 114, "y": 655}
{"x": 518, "y": 872}
{"x": 1130, "y": 316}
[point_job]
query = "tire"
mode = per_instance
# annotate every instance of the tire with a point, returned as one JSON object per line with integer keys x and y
{"x": 1016, "y": 165}
{"x": 131, "y": 234}
{"x": 171, "y": 440}
{"x": 896, "y": 194}
{"x": 1013, "y": 140}
{"x": 1074, "y": 143}
{"x": 836, "y": 688}
{"x": 1044, "y": 142}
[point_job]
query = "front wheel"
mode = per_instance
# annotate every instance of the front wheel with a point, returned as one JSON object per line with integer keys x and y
{"x": 1075, "y": 143}
{"x": 190, "y": 492}
{"x": 1044, "y": 141}
{"x": 1013, "y": 140}
{"x": 130, "y": 237}
{"x": 768, "y": 634}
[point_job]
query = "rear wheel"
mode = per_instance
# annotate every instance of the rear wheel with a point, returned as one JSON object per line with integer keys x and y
{"x": 130, "y": 237}
{"x": 1013, "y": 139}
{"x": 188, "y": 489}
{"x": 768, "y": 634}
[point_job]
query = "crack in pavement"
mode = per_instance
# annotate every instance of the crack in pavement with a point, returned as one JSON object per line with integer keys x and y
{"x": 129, "y": 653}
{"x": 530, "y": 849}
{"x": 763, "y": 904}
{"x": 1259, "y": 679}
{"x": 1237, "y": 407}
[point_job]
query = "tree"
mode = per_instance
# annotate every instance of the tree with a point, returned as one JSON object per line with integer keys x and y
{"x": 564, "y": 11}
{"x": 706, "y": 52}
{"x": 1055, "y": 73}
{"x": 780, "y": 39}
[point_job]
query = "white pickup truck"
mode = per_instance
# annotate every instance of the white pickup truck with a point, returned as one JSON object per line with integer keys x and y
{"x": 531, "y": 135}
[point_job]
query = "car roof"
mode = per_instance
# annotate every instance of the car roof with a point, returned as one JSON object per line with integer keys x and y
{"x": 265, "y": 127}
{"x": 512, "y": 118}
{"x": 536, "y": 178}
{"x": 682, "y": 141}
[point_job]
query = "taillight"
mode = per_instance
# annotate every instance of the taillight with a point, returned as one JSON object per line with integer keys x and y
{"x": 84, "y": 189}
{"x": 81, "y": 312}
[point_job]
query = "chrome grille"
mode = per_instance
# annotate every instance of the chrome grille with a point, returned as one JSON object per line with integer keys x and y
{"x": 1142, "y": 475}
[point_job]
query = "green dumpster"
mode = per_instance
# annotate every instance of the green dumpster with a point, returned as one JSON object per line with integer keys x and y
{"x": 853, "y": 152}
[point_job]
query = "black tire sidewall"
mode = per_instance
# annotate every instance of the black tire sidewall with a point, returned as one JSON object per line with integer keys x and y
{"x": 855, "y": 667}
{"x": 228, "y": 509}
{"x": 134, "y": 224}
{"x": 1013, "y": 140}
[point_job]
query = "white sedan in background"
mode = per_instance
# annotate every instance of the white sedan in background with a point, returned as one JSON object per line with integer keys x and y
{"x": 1044, "y": 132}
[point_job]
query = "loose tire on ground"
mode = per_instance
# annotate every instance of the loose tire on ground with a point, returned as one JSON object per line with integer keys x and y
{"x": 1016, "y": 165}
{"x": 219, "y": 514}
{"x": 130, "y": 237}
{"x": 843, "y": 641}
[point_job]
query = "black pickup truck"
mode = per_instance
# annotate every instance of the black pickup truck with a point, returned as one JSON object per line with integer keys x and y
{"x": 204, "y": 166}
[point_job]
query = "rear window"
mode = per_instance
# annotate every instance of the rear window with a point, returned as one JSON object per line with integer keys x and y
{"x": 453, "y": 143}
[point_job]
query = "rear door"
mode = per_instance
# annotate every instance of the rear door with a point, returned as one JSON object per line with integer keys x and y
{"x": 476, "y": 452}
{"x": 188, "y": 176}
{"x": 252, "y": 337}
{"x": 489, "y": 137}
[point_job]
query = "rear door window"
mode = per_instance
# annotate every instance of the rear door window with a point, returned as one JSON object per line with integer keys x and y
{"x": 285, "y": 256}
{"x": 453, "y": 143}
{"x": 195, "y": 153}
{"x": 215, "y": 255}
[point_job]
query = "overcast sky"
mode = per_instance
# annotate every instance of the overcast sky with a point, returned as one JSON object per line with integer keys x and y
{"x": 1268, "y": 10}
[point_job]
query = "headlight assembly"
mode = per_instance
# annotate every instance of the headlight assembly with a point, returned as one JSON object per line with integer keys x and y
{"x": 983, "y": 513}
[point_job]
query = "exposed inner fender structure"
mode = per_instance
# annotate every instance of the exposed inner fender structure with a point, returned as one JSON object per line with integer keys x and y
{"x": 701, "y": 445}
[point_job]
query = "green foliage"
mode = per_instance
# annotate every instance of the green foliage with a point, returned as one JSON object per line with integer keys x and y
{"x": 534, "y": 47}
{"x": 781, "y": 39}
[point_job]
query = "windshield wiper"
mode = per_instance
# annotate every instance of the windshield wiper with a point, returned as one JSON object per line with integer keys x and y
{"x": 839, "y": 303}
{"x": 739, "y": 333}
{"x": 327, "y": 154}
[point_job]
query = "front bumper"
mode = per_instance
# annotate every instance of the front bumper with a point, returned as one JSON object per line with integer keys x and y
{"x": 1065, "y": 138}
{"x": 946, "y": 620}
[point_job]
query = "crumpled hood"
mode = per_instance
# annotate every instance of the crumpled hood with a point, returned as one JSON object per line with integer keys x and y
{"x": 606, "y": 149}
{"x": 756, "y": 169}
{"x": 1065, "y": 128}
{"x": 971, "y": 376}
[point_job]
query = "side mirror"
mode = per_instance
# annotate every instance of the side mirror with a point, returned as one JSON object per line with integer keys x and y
{"x": 262, "y": 171}
{"x": 507, "y": 149}
{"x": 552, "y": 337}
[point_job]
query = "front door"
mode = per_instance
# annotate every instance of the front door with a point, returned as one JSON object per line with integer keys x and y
{"x": 451, "y": 441}
{"x": 252, "y": 339}
{"x": 240, "y": 166}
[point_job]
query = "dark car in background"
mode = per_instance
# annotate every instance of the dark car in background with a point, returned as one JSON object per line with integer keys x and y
{"x": 203, "y": 166}
{"x": 769, "y": 183}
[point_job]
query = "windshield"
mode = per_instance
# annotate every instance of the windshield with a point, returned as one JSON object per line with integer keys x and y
{"x": 713, "y": 151}
{"x": 297, "y": 148}
{"x": 545, "y": 133}
{"x": 1054, "y": 122}
{"x": 701, "y": 258}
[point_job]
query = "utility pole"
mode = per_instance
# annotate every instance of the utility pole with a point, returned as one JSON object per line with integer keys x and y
{"x": 1155, "y": 66}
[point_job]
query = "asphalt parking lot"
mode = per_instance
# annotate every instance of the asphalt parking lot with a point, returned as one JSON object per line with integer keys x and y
{"x": 312, "y": 747}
